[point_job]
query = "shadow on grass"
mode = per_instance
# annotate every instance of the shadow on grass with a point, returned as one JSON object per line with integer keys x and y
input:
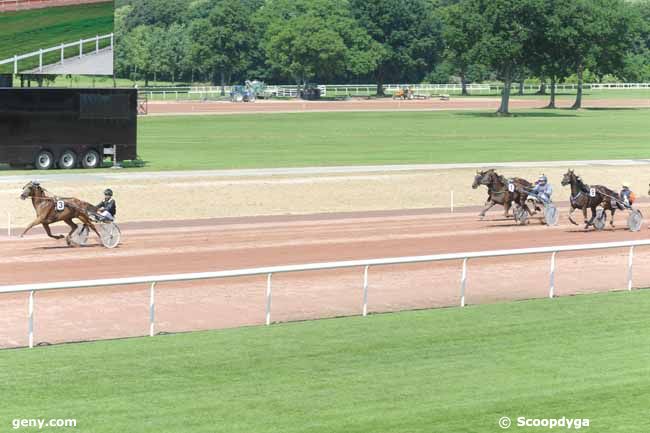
{"x": 542, "y": 114}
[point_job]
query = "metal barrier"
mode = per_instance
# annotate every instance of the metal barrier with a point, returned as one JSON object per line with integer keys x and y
{"x": 205, "y": 92}
{"x": 16, "y": 58}
{"x": 365, "y": 264}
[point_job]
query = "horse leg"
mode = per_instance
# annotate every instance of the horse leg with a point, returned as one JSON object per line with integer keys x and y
{"x": 49, "y": 232}
{"x": 31, "y": 225}
{"x": 84, "y": 219}
{"x": 573, "y": 209}
{"x": 506, "y": 207}
{"x": 488, "y": 205}
{"x": 612, "y": 211}
{"x": 73, "y": 227}
{"x": 593, "y": 216}
{"x": 584, "y": 214}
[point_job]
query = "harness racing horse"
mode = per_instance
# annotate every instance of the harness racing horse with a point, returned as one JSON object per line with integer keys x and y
{"x": 498, "y": 192}
{"x": 586, "y": 197}
{"x": 48, "y": 211}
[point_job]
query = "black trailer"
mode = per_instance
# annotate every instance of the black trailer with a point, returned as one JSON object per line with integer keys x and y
{"x": 67, "y": 128}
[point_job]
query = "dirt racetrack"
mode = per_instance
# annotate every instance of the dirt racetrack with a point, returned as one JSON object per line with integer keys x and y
{"x": 232, "y": 243}
{"x": 292, "y": 106}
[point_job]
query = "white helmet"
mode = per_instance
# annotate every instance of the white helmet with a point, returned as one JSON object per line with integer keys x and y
{"x": 626, "y": 185}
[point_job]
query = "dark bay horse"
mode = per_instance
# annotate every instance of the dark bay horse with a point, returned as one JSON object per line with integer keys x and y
{"x": 498, "y": 192}
{"x": 48, "y": 211}
{"x": 585, "y": 197}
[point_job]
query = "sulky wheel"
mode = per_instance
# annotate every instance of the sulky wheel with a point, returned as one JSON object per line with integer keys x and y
{"x": 110, "y": 234}
{"x": 80, "y": 235}
{"x": 635, "y": 220}
{"x": 521, "y": 215}
{"x": 600, "y": 220}
{"x": 551, "y": 215}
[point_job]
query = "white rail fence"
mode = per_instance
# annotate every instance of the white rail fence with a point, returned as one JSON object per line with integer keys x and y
{"x": 364, "y": 264}
{"x": 61, "y": 48}
{"x": 212, "y": 92}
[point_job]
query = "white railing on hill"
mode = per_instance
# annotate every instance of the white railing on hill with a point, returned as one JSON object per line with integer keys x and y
{"x": 365, "y": 264}
{"x": 80, "y": 43}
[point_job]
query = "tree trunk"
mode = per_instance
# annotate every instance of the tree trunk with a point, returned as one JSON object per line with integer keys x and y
{"x": 223, "y": 84}
{"x": 521, "y": 87}
{"x": 542, "y": 87}
{"x": 463, "y": 84}
{"x": 551, "y": 103}
{"x": 505, "y": 96}
{"x": 380, "y": 84}
{"x": 578, "y": 104}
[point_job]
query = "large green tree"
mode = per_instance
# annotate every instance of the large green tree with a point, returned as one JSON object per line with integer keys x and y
{"x": 505, "y": 30}
{"x": 223, "y": 41}
{"x": 409, "y": 33}
{"x": 316, "y": 39}
{"x": 462, "y": 32}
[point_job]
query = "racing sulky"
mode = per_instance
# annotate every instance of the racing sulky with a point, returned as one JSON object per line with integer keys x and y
{"x": 585, "y": 197}
{"x": 499, "y": 193}
{"x": 51, "y": 209}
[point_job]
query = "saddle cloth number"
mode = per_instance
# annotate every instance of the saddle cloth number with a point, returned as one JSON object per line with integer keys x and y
{"x": 511, "y": 187}
{"x": 60, "y": 205}
{"x": 592, "y": 192}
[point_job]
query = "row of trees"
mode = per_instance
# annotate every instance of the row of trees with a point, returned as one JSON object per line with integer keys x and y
{"x": 296, "y": 41}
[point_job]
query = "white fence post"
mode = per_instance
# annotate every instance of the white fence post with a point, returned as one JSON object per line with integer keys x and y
{"x": 551, "y": 291}
{"x": 152, "y": 308}
{"x": 96, "y": 44}
{"x": 81, "y": 48}
{"x": 31, "y": 319}
{"x": 629, "y": 268}
{"x": 40, "y": 59}
{"x": 451, "y": 198}
{"x": 268, "y": 299}
{"x": 463, "y": 283}
{"x": 112, "y": 41}
{"x": 15, "y": 64}
{"x": 365, "y": 291}
{"x": 62, "y": 52}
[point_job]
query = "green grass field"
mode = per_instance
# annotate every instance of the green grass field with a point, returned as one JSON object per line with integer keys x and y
{"x": 324, "y": 139}
{"x": 320, "y": 139}
{"x": 27, "y": 31}
{"x": 444, "y": 370}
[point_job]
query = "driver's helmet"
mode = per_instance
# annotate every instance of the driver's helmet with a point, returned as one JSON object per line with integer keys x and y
{"x": 108, "y": 192}
{"x": 542, "y": 179}
{"x": 626, "y": 185}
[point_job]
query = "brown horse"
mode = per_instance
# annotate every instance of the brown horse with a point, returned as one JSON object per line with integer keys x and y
{"x": 585, "y": 197}
{"x": 50, "y": 210}
{"x": 498, "y": 190}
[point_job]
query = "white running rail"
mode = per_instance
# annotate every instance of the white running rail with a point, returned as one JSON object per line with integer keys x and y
{"x": 365, "y": 264}
{"x": 61, "y": 48}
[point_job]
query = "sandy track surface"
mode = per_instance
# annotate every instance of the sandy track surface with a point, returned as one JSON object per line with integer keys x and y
{"x": 294, "y": 106}
{"x": 21, "y": 5}
{"x": 192, "y": 197}
{"x": 166, "y": 248}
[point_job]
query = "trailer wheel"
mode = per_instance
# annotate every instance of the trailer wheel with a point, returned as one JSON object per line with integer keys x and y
{"x": 91, "y": 159}
{"x": 44, "y": 160}
{"x": 68, "y": 160}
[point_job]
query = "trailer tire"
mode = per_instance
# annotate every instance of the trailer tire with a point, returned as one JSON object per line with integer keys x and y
{"x": 91, "y": 159}
{"x": 44, "y": 160}
{"x": 68, "y": 160}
